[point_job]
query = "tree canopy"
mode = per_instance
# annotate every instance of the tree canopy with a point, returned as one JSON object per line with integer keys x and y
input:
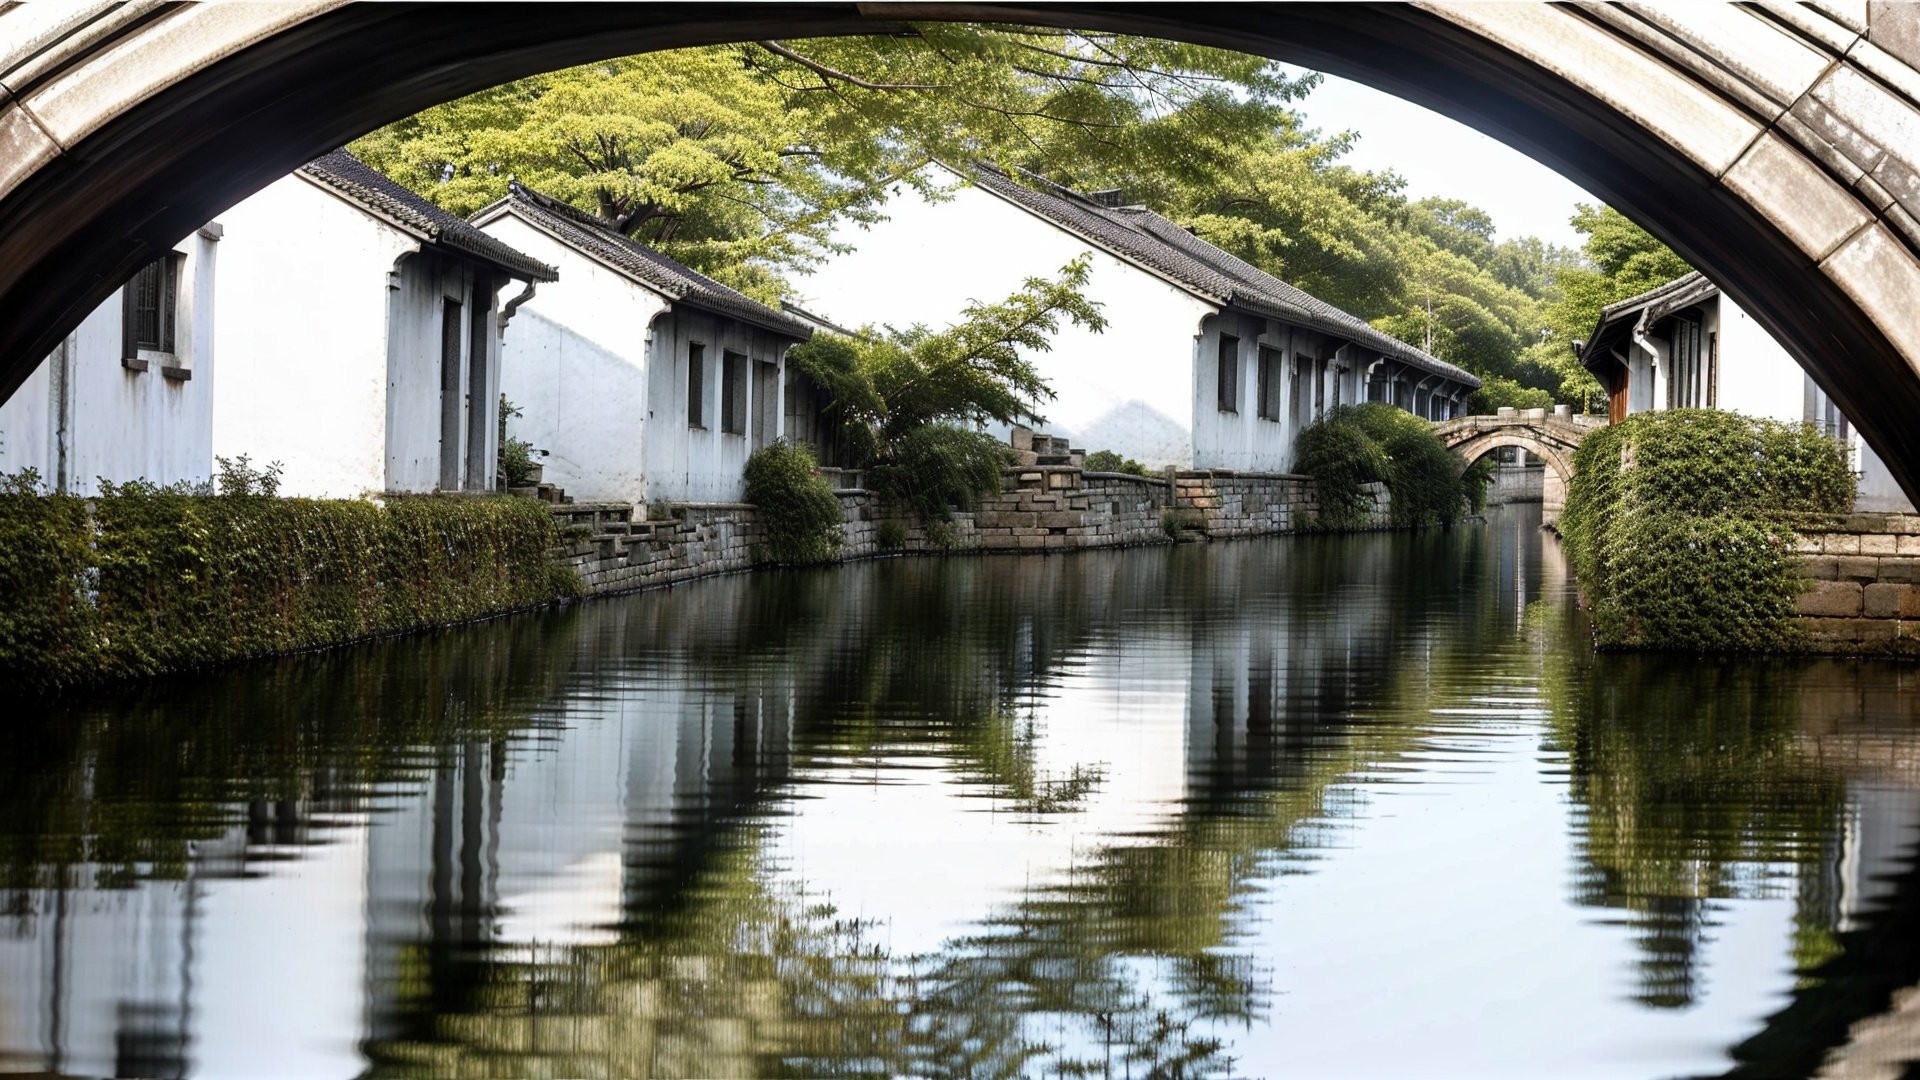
{"x": 741, "y": 161}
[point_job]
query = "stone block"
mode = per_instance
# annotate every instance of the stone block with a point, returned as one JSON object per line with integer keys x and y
{"x": 1862, "y": 568}
{"x": 1883, "y": 601}
{"x": 1061, "y": 519}
{"x": 1900, "y": 571}
{"x": 1878, "y": 544}
{"x": 1830, "y": 599}
{"x": 1907, "y": 545}
{"x": 1840, "y": 543}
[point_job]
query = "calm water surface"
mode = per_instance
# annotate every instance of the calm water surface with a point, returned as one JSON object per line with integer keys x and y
{"x": 1361, "y": 806}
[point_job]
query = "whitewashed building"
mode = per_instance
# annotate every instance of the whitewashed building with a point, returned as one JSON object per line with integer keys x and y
{"x": 1206, "y": 362}
{"x": 129, "y": 394}
{"x": 643, "y": 380}
{"x": 362, "y": 325}
{"x": 1684, "y": 345}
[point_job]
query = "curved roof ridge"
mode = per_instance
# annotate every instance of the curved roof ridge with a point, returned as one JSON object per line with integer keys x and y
{"x": 377, "y": 193}
{"x": 1148, "y": 239}
{"x": 587, "y": 234}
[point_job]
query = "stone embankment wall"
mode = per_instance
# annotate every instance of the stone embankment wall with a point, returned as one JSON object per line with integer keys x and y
{"x": 1517, "y": 484}
{"x": 1865, "y": 594}
{"x": 1043, "y": 508}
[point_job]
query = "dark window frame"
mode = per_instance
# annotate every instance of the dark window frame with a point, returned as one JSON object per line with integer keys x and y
{"x": 1272, "y": 365}
{"x": 150, "y": 313}
{"x": 1227, "y": 375}
{"x": 733, "y": 392}
{"x": 697, "y": 385}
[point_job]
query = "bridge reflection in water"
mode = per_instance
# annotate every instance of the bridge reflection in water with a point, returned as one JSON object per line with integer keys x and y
{"x": 1218, "y": 808}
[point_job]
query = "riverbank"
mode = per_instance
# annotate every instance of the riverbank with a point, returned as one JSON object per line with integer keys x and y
{"x": 1041, "y": 508}
{"x": 143, "y": 581}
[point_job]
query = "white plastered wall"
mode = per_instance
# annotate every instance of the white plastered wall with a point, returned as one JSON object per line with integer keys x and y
{"x": 303, "y": 321}
{"x": 1129, "y": 389}
{"x": 1757, "y": 377}
{"x": 110, "y": 421}
{"x": 574, "y": 362}
{"x": 415, "y": 449}
{"x": 705, "y": 463}
{"x": 333, "y": 321}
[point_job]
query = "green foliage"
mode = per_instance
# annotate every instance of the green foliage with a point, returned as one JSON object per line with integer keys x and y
{"x": 516, "y": 462}
{"x": 516, "y": 455}
{"x": 144, "y": 580}
{"x": 1340, "y": 458}
{"x": 1624, "y": 260}
{"x": 890, "y": 536}
{"x": 798, "y": 513}
{"x": 1474, "y": 482}
{"x": 1676, "y": 525}
{"x": 740, "y": 159}
{"x": 237, "y": 476}
{"x": 1108, "y": 461}
{"x": 749, "y": 161}
{"x": 902, "y": 399}
{"x": 937, "y": 468}
{"x": 1496, "y": 392}
{"x": 1361, "y": 444}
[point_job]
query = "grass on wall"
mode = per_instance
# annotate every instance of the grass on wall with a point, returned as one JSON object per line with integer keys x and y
{"x": 143, "y": 579}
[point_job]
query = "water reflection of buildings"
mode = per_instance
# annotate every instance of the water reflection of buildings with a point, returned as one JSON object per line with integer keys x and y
{"x": 567, "y": 867}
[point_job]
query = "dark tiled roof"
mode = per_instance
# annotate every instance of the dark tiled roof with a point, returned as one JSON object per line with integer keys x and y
{"x": 1659, "y": 301}
{"x": 1141, "y": 236}
{"x": 1686, "y": 284}
{"x": 582, "y": 232}
{"x": 379, "y": 194}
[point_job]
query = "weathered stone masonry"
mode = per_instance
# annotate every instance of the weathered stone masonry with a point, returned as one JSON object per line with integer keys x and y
{"x": 1043, "y": 508}
{"x": 1865, "y": 594}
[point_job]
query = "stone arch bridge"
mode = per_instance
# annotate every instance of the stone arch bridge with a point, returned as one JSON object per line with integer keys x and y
{"x": 1772, "y": 144}
{"x": 1551, "y": 437}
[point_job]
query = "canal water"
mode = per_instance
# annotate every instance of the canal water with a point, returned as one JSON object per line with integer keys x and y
{"x": 1306, "y": 807}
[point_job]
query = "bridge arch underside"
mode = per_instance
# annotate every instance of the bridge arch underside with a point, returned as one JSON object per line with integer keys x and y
{"x": 1764, "y": 143}
{"x": 1553, "y": 497}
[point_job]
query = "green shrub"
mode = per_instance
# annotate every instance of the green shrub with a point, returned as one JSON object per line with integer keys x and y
{"x": 1677, "y": 526}
{"x": 890, "y": 536}
{"x": 936, "y": 469}
{"x": 143, "y": 580}
{"x": 1475, "y": 481}
{"x": 516, "y": 455}
{"x": 1108, "y": 461}
{"x": 1362, "y": 444}
{"x": 799, "y": 515}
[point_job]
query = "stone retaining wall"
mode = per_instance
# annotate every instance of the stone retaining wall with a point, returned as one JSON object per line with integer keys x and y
{"x": 1865, "y": 594}
{"x": 1053, "y": 507}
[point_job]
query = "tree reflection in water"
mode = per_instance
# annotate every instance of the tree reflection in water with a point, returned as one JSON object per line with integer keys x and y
{"x": 681, "y": 734}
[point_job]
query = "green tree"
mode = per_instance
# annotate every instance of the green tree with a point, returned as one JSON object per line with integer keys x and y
{"x": 908, "y": 400}
{"x": 1624, "y": 260}
{"x": 739, "y": 159}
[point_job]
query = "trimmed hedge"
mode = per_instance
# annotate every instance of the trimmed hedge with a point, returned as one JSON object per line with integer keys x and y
{"x": 1360, "y": 444}
{"x": 143, "y": 580}
{"x": 799, "y": 515}
{"x": 1677, "y": 525}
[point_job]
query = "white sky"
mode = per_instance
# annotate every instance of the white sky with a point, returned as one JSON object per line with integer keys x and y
{"x": 1440, "y": 156}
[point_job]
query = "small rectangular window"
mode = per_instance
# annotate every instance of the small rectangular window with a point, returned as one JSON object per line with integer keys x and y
{"x": 696, "y": 385}
{"x": 1269, "y": 384}
{"x": 733, "y": 393}
{"x": 150, "y": 309}
{"x": 1229, "y": 375}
